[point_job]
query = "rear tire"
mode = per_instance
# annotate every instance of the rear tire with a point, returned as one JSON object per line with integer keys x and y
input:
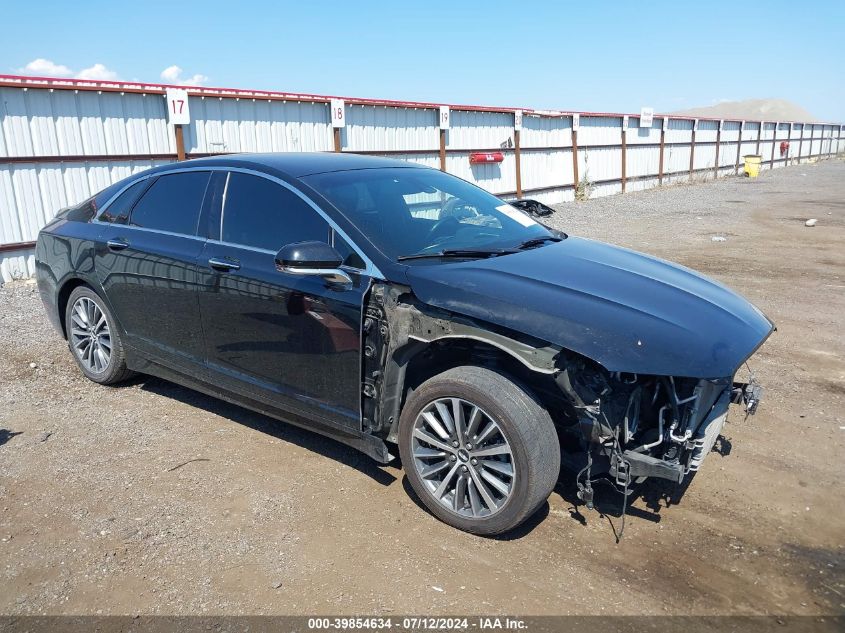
{"x": 480, "y": 452}
{"x": 94, "y": 339}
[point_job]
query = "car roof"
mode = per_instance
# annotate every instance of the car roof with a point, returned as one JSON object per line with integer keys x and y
{"x": 298, "y": 164}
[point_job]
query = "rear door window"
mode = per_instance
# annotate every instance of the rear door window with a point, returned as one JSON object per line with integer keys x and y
{"x": 262, "y": 214}
{"x": 118, "y": 211}
{"x": 172, "y": 203}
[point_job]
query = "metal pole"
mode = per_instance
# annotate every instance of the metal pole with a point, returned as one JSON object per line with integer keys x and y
{"x": 759, "y": 134}
{"x": 337, "y": 146}
{"x": 738, "y": 148}
{"x": 442, "y": 150}
{"x": 718, "y": 147}
{"x": 662, "y": 143}
{"x": 774, "y": 142}
{"x": 180, "y": 142}
{"x": 624, "y": 154}
{"x": 575, "y": 158}
{"x": 692, "y": 148}
{"x": 801, "y": 143}
{"x": 518, "y": 167}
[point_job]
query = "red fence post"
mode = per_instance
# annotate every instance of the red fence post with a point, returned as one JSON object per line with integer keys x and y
{"x": 442, "y": 149}
{"x": 801, "y": 143}
{"x": 662, "y": 144}
{"x": 574, "y": 153}
{"x": 180, "y": 142}
{"x": 718, "y": 148}
{"x": 774, "y": 142}
{"x": 692, "y": 148}
{"x": 517, "y": 156}
{"x": 624, "y": 150}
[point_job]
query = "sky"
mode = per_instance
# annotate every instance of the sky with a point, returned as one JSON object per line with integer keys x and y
{"x": 573, "y": 56}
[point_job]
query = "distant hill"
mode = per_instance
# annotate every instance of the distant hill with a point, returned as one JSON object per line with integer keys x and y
{"x": 752, "y": 110}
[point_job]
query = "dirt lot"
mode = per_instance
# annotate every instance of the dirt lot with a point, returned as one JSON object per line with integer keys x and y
{"x": 100, "y": 513}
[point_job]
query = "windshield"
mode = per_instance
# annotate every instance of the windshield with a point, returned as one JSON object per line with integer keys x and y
{"x": 407, "y": 211}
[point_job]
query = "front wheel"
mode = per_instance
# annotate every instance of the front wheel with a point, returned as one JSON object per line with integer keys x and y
{"x": 480, "y": 452}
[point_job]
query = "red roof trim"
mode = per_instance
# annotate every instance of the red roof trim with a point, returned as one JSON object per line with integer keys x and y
{"x": 58, "y": 83}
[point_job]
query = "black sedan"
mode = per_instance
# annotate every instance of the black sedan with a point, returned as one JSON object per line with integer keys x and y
{"x": 387, "y": 305}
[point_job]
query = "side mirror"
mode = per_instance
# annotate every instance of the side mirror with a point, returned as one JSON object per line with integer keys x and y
{"x": 316, "y": 259}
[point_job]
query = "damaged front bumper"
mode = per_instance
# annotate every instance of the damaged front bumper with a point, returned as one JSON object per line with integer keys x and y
{"x": 635, "y": 427}
{"x": 631, "y": 465}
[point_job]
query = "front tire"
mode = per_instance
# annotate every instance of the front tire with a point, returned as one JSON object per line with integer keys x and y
{"x": 480, "y": 452}
{"x": 94, "y": 339}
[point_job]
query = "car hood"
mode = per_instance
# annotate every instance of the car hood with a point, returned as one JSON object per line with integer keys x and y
{"x": 628, "y": 311}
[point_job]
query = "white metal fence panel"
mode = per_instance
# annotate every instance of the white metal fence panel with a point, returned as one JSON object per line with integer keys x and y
{"x": 600, "y": 130}
{"x": 83, "y": 123}
{"x": 472, "y": 129}
{"x": 637, "y": 135}
{"x": 546, "y": 131}
{"x": 543, "y": 169}
{"x": 494, "y": 177}
{"x": 642, "y": 161}
{"x": 59, "y": 146}
{"x": 371, "y": 128}
{"x": 257, "y": 125}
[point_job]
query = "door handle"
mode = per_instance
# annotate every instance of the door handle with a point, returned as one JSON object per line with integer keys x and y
{"x": 223, "y": 265}
{"x": 117, "y": 244}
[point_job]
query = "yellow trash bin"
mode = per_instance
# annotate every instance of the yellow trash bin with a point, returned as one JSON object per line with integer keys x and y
{"x": 752, "y": 165}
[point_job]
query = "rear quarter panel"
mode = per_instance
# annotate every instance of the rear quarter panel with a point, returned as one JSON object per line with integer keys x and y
{"x": 64, "y": 251}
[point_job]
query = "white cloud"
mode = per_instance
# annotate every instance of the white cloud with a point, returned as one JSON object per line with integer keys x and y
{"x": 173, "y": 75}
{"x": 45, "y": 68}
{"x": 97, "y": 72}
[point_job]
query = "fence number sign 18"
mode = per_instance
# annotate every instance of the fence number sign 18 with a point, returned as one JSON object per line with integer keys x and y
{"x": 177, "y": 106}
{"x": 444, "y": 117}
{"x": 646, "y": 117}
{"x": 338, "y": 113}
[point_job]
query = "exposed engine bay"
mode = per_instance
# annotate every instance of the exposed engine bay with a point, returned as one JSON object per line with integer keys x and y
{"x": 634, "y": 427}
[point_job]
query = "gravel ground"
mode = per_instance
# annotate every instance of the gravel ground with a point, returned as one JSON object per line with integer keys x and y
{"x": 102, "y": 509}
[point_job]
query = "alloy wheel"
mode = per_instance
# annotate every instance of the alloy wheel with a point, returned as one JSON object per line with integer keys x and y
{"x": 463, "y": 457}
{"x": 90, "y": 335}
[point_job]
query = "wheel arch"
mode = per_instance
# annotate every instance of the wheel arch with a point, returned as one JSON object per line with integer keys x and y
{"x": 63, "y": 296}
{"x": 418, "y": 361}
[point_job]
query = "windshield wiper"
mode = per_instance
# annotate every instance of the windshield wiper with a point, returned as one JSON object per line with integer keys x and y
{"x": 537, "y": 241}
{"x": 457, "y": 253}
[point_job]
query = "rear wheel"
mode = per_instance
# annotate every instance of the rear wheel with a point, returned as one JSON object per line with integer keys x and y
{"x": 479, "y": 451}
{"x": 93, "y": 338}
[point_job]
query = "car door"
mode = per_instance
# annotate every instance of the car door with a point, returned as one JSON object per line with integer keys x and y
{"x": 146, "y": 262}
{"x": 289, "y": 341}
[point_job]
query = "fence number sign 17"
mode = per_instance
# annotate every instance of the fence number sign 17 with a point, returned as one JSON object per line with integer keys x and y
{"x": 177, "y": 106}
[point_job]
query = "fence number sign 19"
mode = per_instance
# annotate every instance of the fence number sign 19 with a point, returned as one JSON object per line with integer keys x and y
{"x": 646, "y": 117}
{"x": 338, "y": 113}
{"x": 177, "y": 106}
{"x": 444, "y": 117}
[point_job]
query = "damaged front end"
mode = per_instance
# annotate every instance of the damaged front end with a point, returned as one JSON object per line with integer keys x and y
{"x": 636, "y": 426}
